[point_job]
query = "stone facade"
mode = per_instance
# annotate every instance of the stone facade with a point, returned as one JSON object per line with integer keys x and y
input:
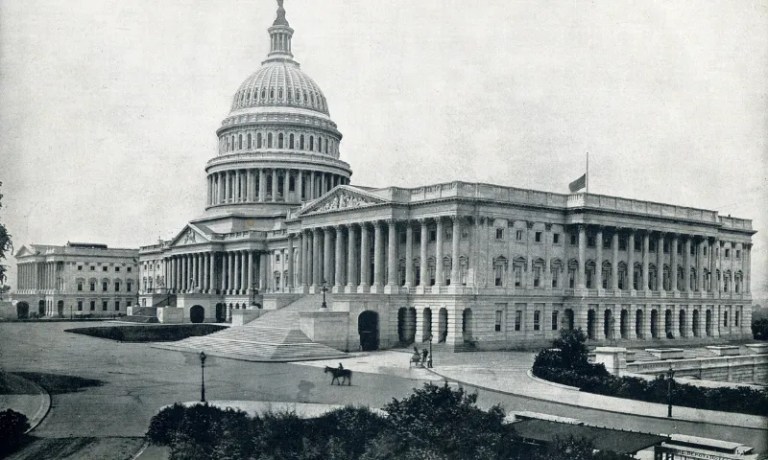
{"x": 77, "y": 279}
{"x": 465, "y": 264}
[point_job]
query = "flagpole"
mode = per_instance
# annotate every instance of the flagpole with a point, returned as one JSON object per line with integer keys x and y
{"x": 587, "y": 172}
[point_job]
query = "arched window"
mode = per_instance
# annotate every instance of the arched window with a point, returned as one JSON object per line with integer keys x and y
{"x": 271, "y": 93}
{"x": 311, "y": 143}
{"x": 590, "y": 272}
{"x": 326, "y": 146}
{"x": 301, "y": 142}
{"x": 290, "y": 140}
{"x": 280, "y": 93}
{"x": 269, "y": 140}
{"x": 556, "y": 266}
{"x": 258, "y": 140}
{"x": 447, "y": 266}
{"x": 605, "y": 282}
{"x": 538, "y": 270}
{"x": 518, "y": 267}
{"x": 623, "y": 276}
{"x": 312, "y": 98}
{"x": 573, "y": 267}
{"x": 499, "y": 270}
{"x": 250, "y": 144}
{"x": 240, "y": 142}
{"x": 431, "y": 271}
{"x": 306, "y": 99}
{"x": 280, "y": 140}
{"x": 463, "y": 269}
{"x": 263, "y": 94}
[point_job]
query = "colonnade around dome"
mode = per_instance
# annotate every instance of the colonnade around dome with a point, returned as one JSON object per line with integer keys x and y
{"x": 269, "y": 185}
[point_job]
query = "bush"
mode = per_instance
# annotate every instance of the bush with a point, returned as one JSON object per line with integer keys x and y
{"x": 760, "y": 329}
{"x": 572, "y": 369}
{"x": 161, "y": 333}
{"x": 13, "y": 425}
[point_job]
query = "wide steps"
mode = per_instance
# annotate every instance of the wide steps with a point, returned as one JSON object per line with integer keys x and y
{"x": 274, "y": 336}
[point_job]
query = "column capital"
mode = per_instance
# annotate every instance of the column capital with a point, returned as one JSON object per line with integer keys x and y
{"x": 529, "y": 224}
{"x": 548, "y": 227}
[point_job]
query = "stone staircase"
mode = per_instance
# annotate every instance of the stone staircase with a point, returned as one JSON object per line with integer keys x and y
{"x": 274, "y": 336}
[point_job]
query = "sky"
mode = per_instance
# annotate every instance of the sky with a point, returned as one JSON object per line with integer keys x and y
{"x": 108, "y": 109}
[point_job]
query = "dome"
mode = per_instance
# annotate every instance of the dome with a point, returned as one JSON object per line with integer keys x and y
{"x": 280, "y": 83}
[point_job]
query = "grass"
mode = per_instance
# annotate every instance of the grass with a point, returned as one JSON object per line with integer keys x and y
{"x": 141, "y": 333}
{"x": 11, "y": 384}
{"x": 60, "y": 384}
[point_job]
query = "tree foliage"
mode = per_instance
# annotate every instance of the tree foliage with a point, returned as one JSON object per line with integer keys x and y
{"x": 5, "y": 244}
{"x": 13, "y": 425}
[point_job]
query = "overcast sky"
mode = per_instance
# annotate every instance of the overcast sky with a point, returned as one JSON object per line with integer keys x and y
{"x": 109, "y": 108}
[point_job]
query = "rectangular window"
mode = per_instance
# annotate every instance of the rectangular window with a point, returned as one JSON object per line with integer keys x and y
{"x": 679, "y": 249}
{"x": 555, "y": 238}
{"x": 652, "y": 246}
{"x": 104, "y": 268}
{"x": 129, "y": 269}
{"x": 117, "y": 286}
{"x": 590, "y": 241}
{"x": 499, "y": 233}
{"x": 79, "y": 305}
{"x": 129, "y": 303}
{"x": 104, "y": 286}
{"x": 537, "y": 237}
{"x": 518, "y": 319}
{"x": 518, "y": 276}
{"x": 432, "y": 235}
{"x": 622, "y": 243}
{"x": 129, "y": 286}
{"x": 402, "y": 237}
{"x": 738, "y": 253}
{"x": 93, "y": 286}
{"x": 536, "y": 320}
{"x": 79, "y": 285}
{"x": 727, "y": 253}
{"x": 519, "y": 235}
{"x": 117, "y": 269}
{"x": 606, "y": 242}
{"x": 536, "y": 276}
{"x": 574, "y": 239}
{"x": 497, "y": 326}
{"x": 736, "y": 319}
{"x": 104, "y": 305}
{"x": 638, "y": 245}
{"x": 666, "y": 248}
{"x": 93, "y": 268}
{"x": 79, "y": 268}
{"x": 93, "y": 305}
{"x": 555, "y": 275}
{"x": 277, "y": 257}
{"x": 554, "y": 320}
{"x": 725, "y": 318}
{"x": 117, "y": 305}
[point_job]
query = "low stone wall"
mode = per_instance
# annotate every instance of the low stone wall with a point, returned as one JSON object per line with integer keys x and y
{"x": 745, "y": 368}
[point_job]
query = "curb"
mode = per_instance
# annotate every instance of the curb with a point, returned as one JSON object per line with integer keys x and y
{"x": 529, "y": 372}
{"x": 43, "y": 410}
{"x": 760, "y": 426}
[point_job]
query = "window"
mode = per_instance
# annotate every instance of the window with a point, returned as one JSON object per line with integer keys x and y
{"x": 277, "y": 257}
{"x": 622, "y": 243}
{"x": 104, "y": 268}
{"x": 79, "y": 285}
{"x": 693, "y": 250}
{"x": 705, "y": 250}
{"x": 554, "y": 320}
{"x": 519, "y": 235}
{"x": 725, "y": 318}
{"x": 79, "y": 305}
{"x": 93, "y": 268}
{"x": 536, "y": 320}
{"x": 402, "y": 238}
{"x": 117, "y": 286}
{"x": 518, "y": 319}
{"x": 117, "y": 269}
{"x": 590, "y": 241}
{"x": 129, "y": 270}
{"x": 574, "y": 239}
{"x": 555, "y": 238}
{"x": 537, "y": 276}
{"x": 738, "y": 253}
{"x": 606, "y": 242}
{"x": 128, "y": 286}
{"x": 104, "y": 305}
{"x": 79, "y": 268}
{"x": 104, "y": 286}
{"x": 666, "y": 248}
{"x": 652, "y": 246}
{"x": 537, "y": 237}
{"x": 499, "y": 233}
{"x": 93, "y": 286}
{"x": 497, "y": 326}
{"x": 93, "y": 305}
{"x": 638, "y": 245}
{"x": 129, "y": 303}
{"x": 727, "y": 253}
{"x": 117, "y": 305}
{"x": 432, "y": 235}
{"x": 736, "y": 319}
{"x": 555, "y": 276}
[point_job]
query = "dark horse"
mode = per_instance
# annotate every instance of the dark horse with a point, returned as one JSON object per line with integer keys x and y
{"x": 344, "y": 374}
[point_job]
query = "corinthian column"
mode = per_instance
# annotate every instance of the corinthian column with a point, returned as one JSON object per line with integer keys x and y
{"x": 392, "y": 264}
{"x": 423, "y": 255}
{"x": 378, "y": 263}
{"x": 351, "y": 272}
{"x": 338, "y": 269}
{"x": 365, "y": 263}
{"x": 439, "y": 253}
{"x": 408, "y": 254}
{"x": 327, "y": 275}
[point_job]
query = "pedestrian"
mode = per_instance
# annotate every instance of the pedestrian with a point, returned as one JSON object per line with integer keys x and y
{"x": 424, "y": 354}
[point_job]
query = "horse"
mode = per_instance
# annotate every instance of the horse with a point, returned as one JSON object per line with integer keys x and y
{"x": 415, "y": 360}
{"x": 344, "y": 374}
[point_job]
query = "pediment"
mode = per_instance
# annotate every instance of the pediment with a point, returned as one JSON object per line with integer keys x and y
{"x": 190, "y": 234}
{"x": 341, "y": 198}
{"x": 24, "y": 251}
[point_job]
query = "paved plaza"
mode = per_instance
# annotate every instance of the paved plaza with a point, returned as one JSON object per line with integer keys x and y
{"x": 128, "y": 383}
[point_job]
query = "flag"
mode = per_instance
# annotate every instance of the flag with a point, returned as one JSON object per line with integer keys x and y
{"x": 578, "y": 184}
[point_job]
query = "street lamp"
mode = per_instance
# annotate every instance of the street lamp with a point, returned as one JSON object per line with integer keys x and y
{"x": 429, "y": 361}
{"x": 202, "y": 381}
{"x": 670, "y": 374}
{"x": 324, "y": 289}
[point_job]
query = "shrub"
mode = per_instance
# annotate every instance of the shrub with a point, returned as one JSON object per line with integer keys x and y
{"x": 13, "y": 425}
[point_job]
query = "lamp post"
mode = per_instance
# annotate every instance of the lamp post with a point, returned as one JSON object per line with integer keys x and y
{"x": 429, "y": 361}
{"x": 202, "y": 381}
{"x": 324, "y": 289}
{"x": 670, "y": 374}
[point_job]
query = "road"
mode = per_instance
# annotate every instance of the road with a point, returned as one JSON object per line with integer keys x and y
{"x": 131, "y": 382}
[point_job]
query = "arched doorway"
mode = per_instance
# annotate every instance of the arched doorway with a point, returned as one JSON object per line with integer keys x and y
{"x": 668, "y": 324}
{"x": 427, "y": 323}
{"x": 22, "y": 310}
{"x": 608, "y": 324}
{"x": 41, "y": 308}
{"x": 695, "y": 325}
{"x": 221, "y": 312}
{"x": 60, "y": 308}
{"x": 708, "y": 323}
{"x": 568, "y": 319}
{"x": 368, "y": 328}
{"x": 591, "y": 324}
{"x": 639, "y": 324}
{"x": 442, "y": 325}
{"x": 655, "y": 324}
{"x": 197, "y": 314}
{"x": 466, "y": 324}
{"x": 406, "y": 325}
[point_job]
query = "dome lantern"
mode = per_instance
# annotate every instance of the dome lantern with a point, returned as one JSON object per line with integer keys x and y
{"x": 280, "y": 36}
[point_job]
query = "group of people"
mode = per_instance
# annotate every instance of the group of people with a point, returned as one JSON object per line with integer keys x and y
{"x": 423, "y": 359}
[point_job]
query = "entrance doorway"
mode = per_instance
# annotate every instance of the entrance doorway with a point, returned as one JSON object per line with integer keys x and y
{"x": 22, "y": 310}
{"x": 41, "y": 308}
{"x": 197, "y": 314}
{"x": 221, "y": 312}
{"x": 466, "y": 324}
{"x": 60, "y": 308}
{"x": 368, "y": 328}
{"x": 406, "y": 325}
{"x": 442, "y": 325}
{"x": 591, "y": 324}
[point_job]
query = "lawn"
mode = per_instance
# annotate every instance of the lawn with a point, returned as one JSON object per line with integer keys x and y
{"x": 148, "y": 333}
{"x": 79, "y": 448}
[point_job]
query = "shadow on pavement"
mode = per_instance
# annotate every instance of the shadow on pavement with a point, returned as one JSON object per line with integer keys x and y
{"x": 56, "y": 384}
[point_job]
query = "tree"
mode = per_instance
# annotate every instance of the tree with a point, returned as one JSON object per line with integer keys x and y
{"x": 5, "y": 244}
{"x": 573, "y": 348}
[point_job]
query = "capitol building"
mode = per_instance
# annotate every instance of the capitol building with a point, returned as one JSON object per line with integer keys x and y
{"x": 288, "y": 241}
